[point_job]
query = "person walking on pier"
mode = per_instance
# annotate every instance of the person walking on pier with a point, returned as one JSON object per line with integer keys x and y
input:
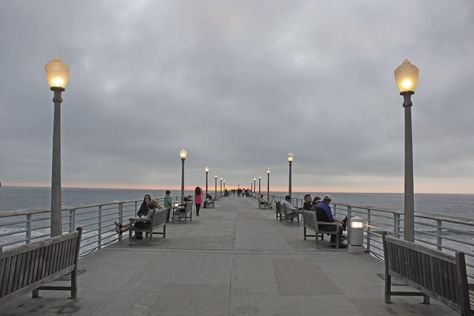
{"x": 197, "y": 199}
{"x": 168, "y": 204}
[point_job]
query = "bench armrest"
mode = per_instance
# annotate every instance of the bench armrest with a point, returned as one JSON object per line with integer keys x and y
{"x": 471, "y": 286}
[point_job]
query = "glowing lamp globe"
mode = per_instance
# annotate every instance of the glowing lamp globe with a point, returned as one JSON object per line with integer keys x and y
{"x": 206, "y": 169}
{"x": 406, "y": 76}
{"x": 291, "y": 156}
{"x": 183, "y": 154}
{"x": 57, "y": 73}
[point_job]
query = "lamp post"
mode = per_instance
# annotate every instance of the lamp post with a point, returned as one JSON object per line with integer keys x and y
{"x": 220, "y": 194}
{"x": 215, "y": 188}
{"x": 224, "y": 187}
{"x": 207, "y": 177}
{"x": 57, "y": 75}
{"x": 254, "y": 187}
{"x": 259, "y": 186}
{"x": 182, "y": 154}
{"x": 406, "y": 77}
{"x": 291, "y": 156}
{"x": 268, "y": 185}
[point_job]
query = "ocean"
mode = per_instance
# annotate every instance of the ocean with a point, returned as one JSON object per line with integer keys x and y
{"x": 14, "y": 198}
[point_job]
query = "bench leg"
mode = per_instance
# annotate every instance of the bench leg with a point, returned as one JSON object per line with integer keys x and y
{"x": 388, "y": 288}
{"x": 304, "y": 233}
{"x": 35, "y": 294}
{"x": 164, "y": 231}
{"x": 426, "y": 299}
{"x": 73, "y": 284}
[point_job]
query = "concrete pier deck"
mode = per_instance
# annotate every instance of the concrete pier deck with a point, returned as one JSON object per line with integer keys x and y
{"x": 232, "y": 260}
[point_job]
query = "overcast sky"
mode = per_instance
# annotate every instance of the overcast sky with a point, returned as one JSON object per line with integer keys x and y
{"x": 239, "y": 84}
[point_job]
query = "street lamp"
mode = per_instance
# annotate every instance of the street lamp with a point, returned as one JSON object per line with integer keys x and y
{"x": 268, "y": 185}
{"x": 207, "y": 174}
{"x": 291, "y": 156}
{"x": 57, "y": 75}
{"x": 406, "y": 77}
{"x": 215, "y": 188}
{"x": 254, "y": 187}
{"x": 182, "y": 154}
{"x": 220, "y": 194}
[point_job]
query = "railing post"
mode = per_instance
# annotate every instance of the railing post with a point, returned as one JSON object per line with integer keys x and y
{"x": 396, "y": 225}
{"x": 99, "y": 228}
{"x": 439, "y": 239}
{"x": 120, "y": 215}
{"x": 28, "y": 228}
{"x": 349, "y": 216}
{"x": 136, "y": 208}
{"x": 335, "y": 208}
{"x": 72, "y": 220}
{"x": 369, "y": 224}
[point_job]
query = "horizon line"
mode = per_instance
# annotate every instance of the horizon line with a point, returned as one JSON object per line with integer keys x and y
{"x": 187, "y": 189}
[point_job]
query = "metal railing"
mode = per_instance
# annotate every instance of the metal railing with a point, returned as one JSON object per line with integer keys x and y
{"x": 24, "y": 226}
{"x": 447, "y": 234}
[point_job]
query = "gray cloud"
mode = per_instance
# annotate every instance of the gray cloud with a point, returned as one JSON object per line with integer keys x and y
{"x": 238, "y": 84}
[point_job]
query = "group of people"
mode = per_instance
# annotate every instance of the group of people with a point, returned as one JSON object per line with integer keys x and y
{"x": 148, "y": 206}
{"x": 323, "y": 211}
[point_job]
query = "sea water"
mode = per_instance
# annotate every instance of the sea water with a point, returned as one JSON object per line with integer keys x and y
{"x": 14, "y": 198}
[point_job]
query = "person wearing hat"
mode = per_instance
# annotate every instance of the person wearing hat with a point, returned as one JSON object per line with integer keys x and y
{"x": 324, "y": 205}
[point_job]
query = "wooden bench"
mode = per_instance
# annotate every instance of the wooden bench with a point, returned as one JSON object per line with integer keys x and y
{"x": 281, "y": 213}
{"x": 310, "y": 221}
{"x": 158, "y": 218}
{"x": 27, "y": 267}
{"x": 432, "y": 272}
{"x": 210, "y": 203}
{"x": 185, "y": 212}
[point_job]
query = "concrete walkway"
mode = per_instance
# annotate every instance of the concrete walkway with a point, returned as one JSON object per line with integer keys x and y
{"x": 232, "y": 260}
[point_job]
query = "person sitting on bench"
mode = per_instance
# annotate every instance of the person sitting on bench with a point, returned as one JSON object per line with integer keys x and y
{"x": 291, "y": 209}
{"x": 145, "y": 213}
{"x": 324, "y": 214}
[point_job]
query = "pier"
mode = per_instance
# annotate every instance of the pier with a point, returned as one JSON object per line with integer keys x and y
{"x": 234, "y": 259}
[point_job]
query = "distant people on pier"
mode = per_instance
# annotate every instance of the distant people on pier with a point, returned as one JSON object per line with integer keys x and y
{"x": 144, "y": 213}
{"x": 197, "y": 199}
{"x": 308, "y": 202}
{"x": 324, "y": 214}
{"x": 168, "y": 204}
{"x": 291, "y": 209}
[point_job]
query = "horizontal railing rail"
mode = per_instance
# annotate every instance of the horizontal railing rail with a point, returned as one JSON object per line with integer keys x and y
{"x": 18, "y": 227}
{"x": 447, "y": 234}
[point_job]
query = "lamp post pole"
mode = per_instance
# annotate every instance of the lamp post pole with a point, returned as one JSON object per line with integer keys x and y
{"x": 268, "y": 185}
{"x": 290, "y": 163}
{"x": 207, "y": 177}
{"x": 406, "y": 77}
{"x": 215, "y": 188}
{"x": 57, "y": 75}
{"x": 220, "y": 185}
{"x": 182, "y": 154}
{"x": 259, "y": 186}
{"x": 254, "y": 187}
{"x": 409, "y": 203}
{"x": 56, "y": 214}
